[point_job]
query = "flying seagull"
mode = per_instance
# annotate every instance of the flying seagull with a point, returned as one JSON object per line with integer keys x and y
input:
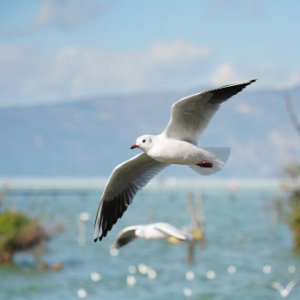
{"x": 176, "y": 145}
{"x": 155, "y": 231}
{"x": 284, "y": 292}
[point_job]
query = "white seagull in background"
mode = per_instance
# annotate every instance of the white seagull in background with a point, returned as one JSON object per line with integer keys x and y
{"x": 176, "y": 145}
{"x": 155, "y": 231}
{"x": 284, "y": 292}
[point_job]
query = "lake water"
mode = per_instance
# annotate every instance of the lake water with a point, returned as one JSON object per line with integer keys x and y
{"x": 227, "y": 216}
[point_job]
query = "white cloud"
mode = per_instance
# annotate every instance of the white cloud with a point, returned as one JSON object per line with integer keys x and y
{"x": 292, "y": 80}
{"x": 246, "y": 109}
{"x": 224, "y": 74}
{"x": 47, "y": 14}
{"x": 65, "y": 14}
{"x": 32, "y": 75}
{"x": 283, "y": 148}
{"x": 264, "y": 156}
{"x": 269, "y": 75}
{"x": 283, "y": 141}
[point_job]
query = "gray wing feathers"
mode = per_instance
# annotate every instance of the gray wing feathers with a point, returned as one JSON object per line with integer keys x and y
{"x": 125, "y": 181}
{"x": 292, "y": 284}
{"x": 191, "y": 115}
{"x": 172, "y": 231}
{"x": 124, "y": 237}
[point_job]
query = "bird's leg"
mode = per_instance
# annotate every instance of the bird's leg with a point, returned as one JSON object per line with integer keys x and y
{"x": 205, "y": 164}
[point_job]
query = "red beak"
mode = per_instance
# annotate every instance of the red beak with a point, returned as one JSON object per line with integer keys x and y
{"x": 134, "y": 146}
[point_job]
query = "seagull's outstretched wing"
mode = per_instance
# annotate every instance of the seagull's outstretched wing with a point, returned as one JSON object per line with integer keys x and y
{"x": 275, "y": 285}
{"x": 172, "y": 231}
{"x": 292, "y": 284}
{"x": 191, "y": 115}
{"x": 125, "y": 236}
{"x": 124, "y": 182}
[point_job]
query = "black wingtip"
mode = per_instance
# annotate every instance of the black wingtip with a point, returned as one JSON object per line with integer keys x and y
{"x": 95, "y": 240}
{"x": 248, "y": 83}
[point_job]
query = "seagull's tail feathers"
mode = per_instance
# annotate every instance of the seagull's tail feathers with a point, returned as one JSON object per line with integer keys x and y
{"x": 217, "y": 156}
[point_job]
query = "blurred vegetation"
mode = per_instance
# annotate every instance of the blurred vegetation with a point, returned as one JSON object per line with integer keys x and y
{"x": 18, "y": 233}
{"x": 194, "y": 206}
{"x": 293, "y": 216}
{"x": 293, "y": 172}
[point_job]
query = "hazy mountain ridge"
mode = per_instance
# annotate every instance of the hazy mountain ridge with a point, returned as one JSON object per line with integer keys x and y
{"x": 89, "y": 138}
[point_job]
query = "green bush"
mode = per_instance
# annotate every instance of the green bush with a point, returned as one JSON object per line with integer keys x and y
{"x": 18, "y": 233}
{"x": 293, "y": 171}
{"x": 295, "y": 218}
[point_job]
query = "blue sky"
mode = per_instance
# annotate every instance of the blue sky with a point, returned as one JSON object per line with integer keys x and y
{"x": 60, "y": 50}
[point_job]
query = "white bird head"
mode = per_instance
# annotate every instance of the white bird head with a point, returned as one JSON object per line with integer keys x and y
{"x": 144, "y": 142}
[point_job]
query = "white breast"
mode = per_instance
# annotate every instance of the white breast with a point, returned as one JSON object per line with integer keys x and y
{"x": 171, "y": 151}
{"x": 150, "y": 232}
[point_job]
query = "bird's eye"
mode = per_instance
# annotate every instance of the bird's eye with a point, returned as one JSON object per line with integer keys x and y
{"x": 144, "y": 141}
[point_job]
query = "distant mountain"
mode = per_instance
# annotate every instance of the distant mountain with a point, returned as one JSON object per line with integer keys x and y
{"x": 90, "y": 137}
